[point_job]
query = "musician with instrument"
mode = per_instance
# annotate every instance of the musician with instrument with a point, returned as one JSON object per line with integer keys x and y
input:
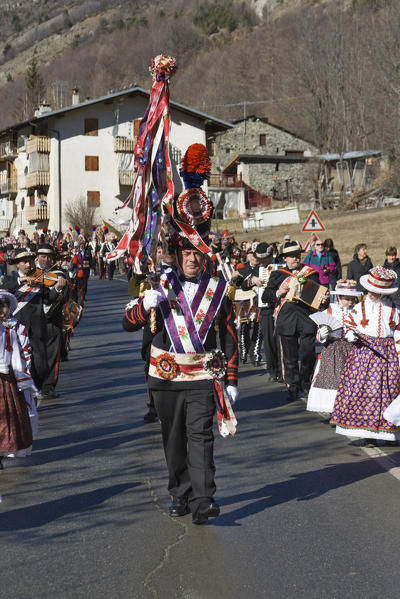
{"x": 266, "y": 332}
{"x": 297, "y": 332}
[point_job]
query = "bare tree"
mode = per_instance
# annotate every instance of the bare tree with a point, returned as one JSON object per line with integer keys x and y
{"x": 79, "y": 214}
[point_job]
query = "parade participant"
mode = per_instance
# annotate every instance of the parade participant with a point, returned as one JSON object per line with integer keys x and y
{"x": 28, "y": 386}
{"x": 15, "y": 425}
{"x": 30, "y": 310}
{"x": 77, "y": 275}
{"x": 107, "y": 247}
{"x": 182, "y": 380}
{"x": 249, "y": 329}
{"x": 360, "y": 265}
{"x": 86, "y": 255}
{"x": 53, "y": 302}
{"x": 328, "y": 370}
{"x": 370, "y": 379}
{"x": 293, "y": 325}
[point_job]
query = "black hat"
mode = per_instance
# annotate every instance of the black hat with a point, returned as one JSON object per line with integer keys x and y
{"x": 45, "y": 249}
{"x": 263, "y": 250}
{"x": 21, "y": 254}
{"x": 291, "y": 248}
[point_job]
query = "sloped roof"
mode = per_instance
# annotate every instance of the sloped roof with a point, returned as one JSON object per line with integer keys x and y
{"x": 264, "y": 159}
{"x": 211, "y": 123}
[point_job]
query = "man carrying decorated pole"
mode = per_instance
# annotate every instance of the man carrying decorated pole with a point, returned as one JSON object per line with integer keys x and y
{"x": 189, "y": 378}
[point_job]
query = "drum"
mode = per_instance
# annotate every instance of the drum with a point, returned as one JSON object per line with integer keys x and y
{"x": 71, "y": 314}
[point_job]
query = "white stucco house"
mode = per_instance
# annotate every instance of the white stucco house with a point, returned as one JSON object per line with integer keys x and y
{"x": 83, "y": 150}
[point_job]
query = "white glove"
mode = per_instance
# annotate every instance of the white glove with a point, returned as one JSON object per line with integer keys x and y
{"x": 323, "y": 332}
{"x": 233, "y": 393}
{"x": 151, "y": 299}
{"x": 350, "y": 336}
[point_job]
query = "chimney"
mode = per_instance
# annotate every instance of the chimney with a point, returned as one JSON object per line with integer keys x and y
{"x": 75, "y": 96}
{"x": 43, "y": 108}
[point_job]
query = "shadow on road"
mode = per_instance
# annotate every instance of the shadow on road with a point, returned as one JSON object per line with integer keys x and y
{"x": 302, "y": 487}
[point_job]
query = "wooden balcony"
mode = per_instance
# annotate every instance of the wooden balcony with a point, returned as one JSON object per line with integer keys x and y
{"x": 8, "y": 186}
{"x": 123, "y": 144}
{"x": 38, "y": 143}
{"x": 126, "y": 177}
{"x": 217, "y": 180}
{"x": 34, "y": 214}
{"x": 37, "y": 179}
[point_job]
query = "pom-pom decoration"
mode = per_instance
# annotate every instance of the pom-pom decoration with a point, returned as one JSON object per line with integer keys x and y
{"x": 45, "y": 229}
{"x": 162, "y": 67}
{"x": 193, "y": 206}
{"x": 77, "y": 229}
{"x": 94, "y": 228}
{"x": 105, "y": 229}
{"x": 195, "y": 166}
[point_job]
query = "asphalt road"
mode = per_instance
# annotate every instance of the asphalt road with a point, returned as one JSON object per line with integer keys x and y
{"x": 305, "y": 513}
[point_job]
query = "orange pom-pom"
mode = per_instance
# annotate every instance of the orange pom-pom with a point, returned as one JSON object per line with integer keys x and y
{"x": 196, "y": 159}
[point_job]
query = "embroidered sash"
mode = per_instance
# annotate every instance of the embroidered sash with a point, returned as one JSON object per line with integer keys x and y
{"x": 24, "y": 295}
{"x": 188, "y": 325}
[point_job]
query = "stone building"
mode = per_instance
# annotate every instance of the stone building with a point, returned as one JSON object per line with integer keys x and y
{"x": 266, "y": 157}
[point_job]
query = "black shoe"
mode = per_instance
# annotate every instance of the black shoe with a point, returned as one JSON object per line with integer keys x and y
{"x": 206, "y": 510}
{"x": 292, "y": 396}
{"x": 151, "y": 416}
{"x": 178, "y": 507}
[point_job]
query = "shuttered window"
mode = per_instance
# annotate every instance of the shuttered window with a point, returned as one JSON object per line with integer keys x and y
{"x": 91, "y": 126}
{"x": 93, "y": 199}
{"x": 136, "y": 124}
{"x": 263, "y": 139}
{"x": 91, "y": 163}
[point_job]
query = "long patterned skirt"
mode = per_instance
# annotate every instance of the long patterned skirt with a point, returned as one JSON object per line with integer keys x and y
{"x": 15, "y": 426}
{"x": 370, "y": 381}
{"x": 328, "y": 370}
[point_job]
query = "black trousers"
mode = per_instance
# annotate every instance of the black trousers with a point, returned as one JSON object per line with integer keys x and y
{"x": 187, "y": 431}
{"x": 270, "y": 340}
{"x": 295, "y": 347}
{"x": 53, "y": 352}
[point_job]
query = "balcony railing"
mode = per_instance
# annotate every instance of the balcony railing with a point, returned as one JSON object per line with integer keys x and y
{"x": 37, "y": 213}
{"x": 8, "y": 186}
{"x": 126, "y": 177}
{"x": 37, "y": 179}
{"x": 217, "y": 180}
{"x": 8, "y": 150}
{"x": 123, "y": 144}
{"x": 39, "y": 143}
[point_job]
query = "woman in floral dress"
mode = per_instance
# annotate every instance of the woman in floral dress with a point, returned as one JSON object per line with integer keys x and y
{"x": 330, "y": 364}
{"x": 370, "y": 379}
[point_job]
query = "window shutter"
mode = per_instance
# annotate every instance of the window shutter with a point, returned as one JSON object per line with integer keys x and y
{"x": 93, "y": 199}
{"x": 136, "y": 124}
{"x": 91, "y": 163}
{"x": 91, "y": 126}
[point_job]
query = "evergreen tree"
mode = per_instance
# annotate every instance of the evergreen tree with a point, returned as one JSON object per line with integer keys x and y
{"x": 34, "y": 85}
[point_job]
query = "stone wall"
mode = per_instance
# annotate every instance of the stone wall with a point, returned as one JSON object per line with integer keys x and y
{"x": 245, "y": 138}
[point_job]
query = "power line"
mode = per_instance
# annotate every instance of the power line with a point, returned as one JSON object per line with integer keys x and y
{"x": 245, "y": 102}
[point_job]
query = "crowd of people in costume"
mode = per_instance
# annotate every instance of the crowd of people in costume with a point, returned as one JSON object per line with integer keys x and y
{"x": 43, "y": 285}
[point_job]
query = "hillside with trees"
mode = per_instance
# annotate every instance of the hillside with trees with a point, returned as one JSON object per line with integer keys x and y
{"x": 327, "y": 70}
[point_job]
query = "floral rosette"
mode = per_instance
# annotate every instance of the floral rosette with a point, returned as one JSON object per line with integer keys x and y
{"x": 162, "y": 67}
{"x": 166, "y": 366}
{"x": 215, "y": 364}
{"x": 193, "y": 206}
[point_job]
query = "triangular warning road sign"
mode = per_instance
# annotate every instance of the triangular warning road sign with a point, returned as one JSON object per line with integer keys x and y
{"x": 312, "y": 239}
{"x": 313, "y": 223}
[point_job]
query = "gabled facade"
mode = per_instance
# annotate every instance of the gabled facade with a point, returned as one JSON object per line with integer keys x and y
{"x": 84, "y": 150}
{"x": 265, "y": 157}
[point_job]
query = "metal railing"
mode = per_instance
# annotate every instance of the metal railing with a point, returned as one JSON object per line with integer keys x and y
{"x": 38, "y": 143}
{"x": 217, "y": 180}
{"x": 8, "y": 150}
{"x": 37, "y": 213}
{"x": 8, "y": 185}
